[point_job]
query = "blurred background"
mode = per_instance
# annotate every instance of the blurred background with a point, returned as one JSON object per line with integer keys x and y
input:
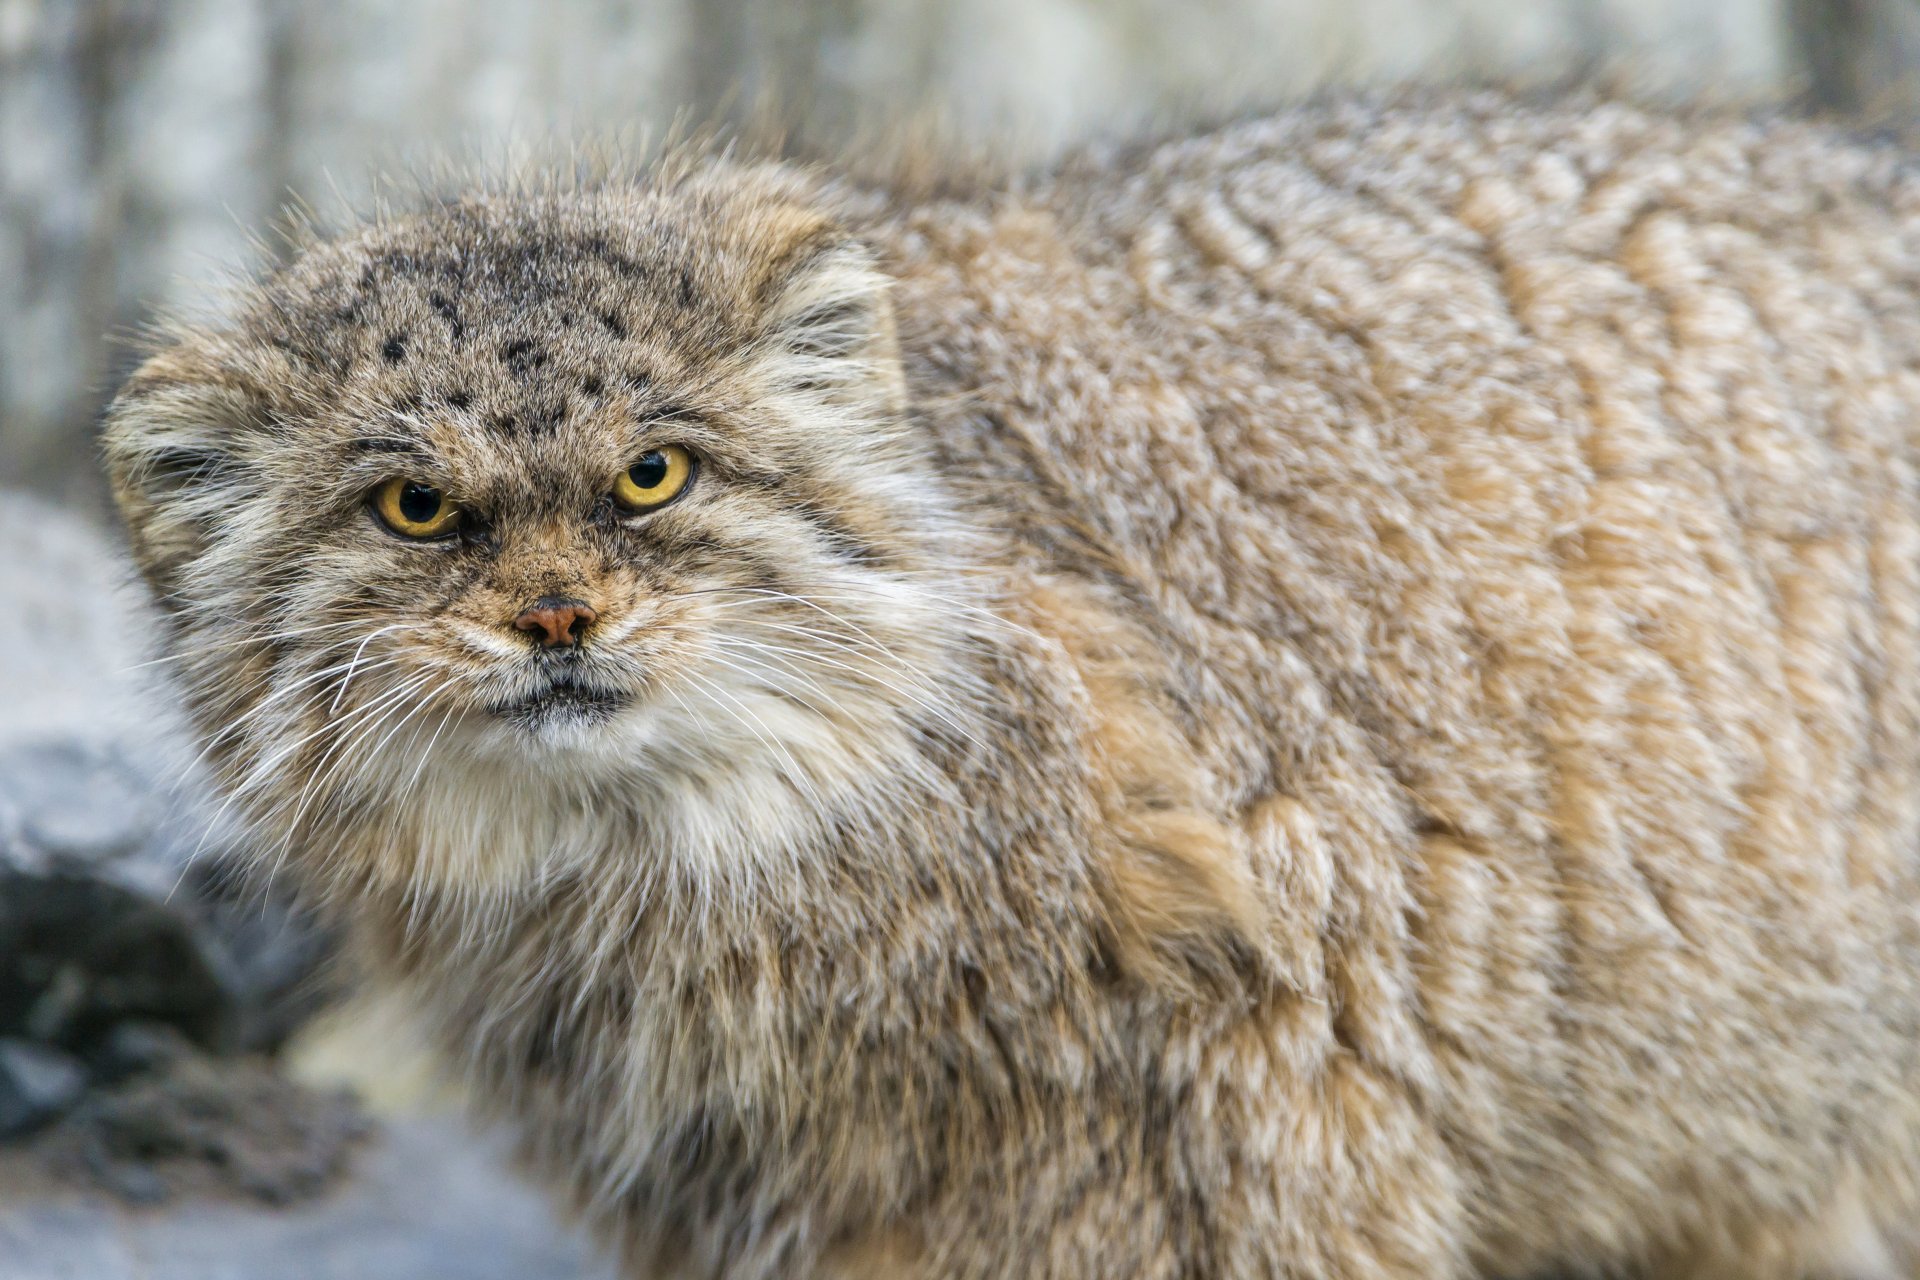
{"x": 143, "y": 141}
{"x": 173, "y": 1052}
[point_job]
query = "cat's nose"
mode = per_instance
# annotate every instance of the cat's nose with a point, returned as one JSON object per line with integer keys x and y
{"x": 557, "y": 621}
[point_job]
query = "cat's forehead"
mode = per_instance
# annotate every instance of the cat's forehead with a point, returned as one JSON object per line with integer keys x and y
{"x": 530, "y": 320}
{"x": 512, "y": 296}
{"x": 686, "y": 268}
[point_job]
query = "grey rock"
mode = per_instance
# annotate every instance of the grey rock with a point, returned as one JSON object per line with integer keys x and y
{"x": 78, "y": 799}
{"x": 37, "y": 1086}
{"x": 132, "y": 1184}
{"x": 274, "y": 954}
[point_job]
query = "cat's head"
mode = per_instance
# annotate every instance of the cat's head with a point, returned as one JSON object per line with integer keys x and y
{"x": 598, "y": 498}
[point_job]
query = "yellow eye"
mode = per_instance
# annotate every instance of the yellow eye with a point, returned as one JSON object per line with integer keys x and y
{"x": 414, "y": 510}
{"x": 656, "y": 478}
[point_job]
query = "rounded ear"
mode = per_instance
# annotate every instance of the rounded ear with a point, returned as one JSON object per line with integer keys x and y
{"x": 169, "y": 442}
{"x": 829, "y": 328}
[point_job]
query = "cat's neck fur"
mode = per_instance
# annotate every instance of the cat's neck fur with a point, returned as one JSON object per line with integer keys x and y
{"x": 705, "y": 1016}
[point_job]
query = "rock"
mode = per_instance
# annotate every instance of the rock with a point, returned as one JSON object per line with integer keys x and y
{"x": 37, "y": 1086}
{"x": 138, "y": 1185}
{"x": 81, "y": 953}
{"x": 425, "y": 1200}
{"x": 275, "y": 954}
{"x": 137, "y": 1048}
{"x": 75, "y": 799}
{"x": 201, "y": 1126}
{"x": 88, "y": 941}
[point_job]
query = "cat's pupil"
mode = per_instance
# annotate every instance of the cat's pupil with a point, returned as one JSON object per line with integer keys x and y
{"x": 419, "y": 503}
{"x": 650, "y": 472}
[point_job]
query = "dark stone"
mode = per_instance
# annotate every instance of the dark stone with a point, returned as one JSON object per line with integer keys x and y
{"x": 275, "y": 954}
{"x": 137, "y": 1048}
{"x": 37, "y": 1086}
{"x": 80, "y": 954}
{"x": 132, "y": 1184}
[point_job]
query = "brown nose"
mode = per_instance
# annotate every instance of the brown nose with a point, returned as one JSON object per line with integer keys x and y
{"x": 557, "y": 620}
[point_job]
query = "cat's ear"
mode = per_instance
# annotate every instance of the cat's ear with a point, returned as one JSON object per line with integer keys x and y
{"x": 828, "y": 327}
{"x": 171, "y": 443}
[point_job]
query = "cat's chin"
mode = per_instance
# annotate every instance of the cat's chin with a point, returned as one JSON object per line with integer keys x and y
{"x": 570, "y": 708}
{"x": 562, "y": 707}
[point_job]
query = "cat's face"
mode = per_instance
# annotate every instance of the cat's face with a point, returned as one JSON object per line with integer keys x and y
{"x": 608, "y": 495}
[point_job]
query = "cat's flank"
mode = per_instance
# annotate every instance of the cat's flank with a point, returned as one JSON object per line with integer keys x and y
{"x": 1338, "y": 698}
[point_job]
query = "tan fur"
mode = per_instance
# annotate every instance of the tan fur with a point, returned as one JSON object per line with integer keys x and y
{"x": 1338, "y": 698}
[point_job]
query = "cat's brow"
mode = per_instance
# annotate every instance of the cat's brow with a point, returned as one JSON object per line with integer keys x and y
{"x": 385, "y": 444}
{"x": 670, "y": 414}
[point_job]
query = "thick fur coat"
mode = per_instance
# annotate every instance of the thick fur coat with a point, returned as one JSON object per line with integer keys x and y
{"x": 1338, "y": 698}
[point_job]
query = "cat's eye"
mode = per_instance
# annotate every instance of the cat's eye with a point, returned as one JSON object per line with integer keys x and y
{"x": 656, "y": 478}
{"x": 415, "y": 510}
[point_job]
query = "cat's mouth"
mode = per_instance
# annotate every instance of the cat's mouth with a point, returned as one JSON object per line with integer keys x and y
{"x": 564, "y": 697}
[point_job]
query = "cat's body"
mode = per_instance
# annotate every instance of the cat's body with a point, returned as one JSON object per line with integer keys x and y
{"x": 1335, "y": 699}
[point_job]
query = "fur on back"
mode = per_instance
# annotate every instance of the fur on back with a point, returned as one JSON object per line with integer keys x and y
{"x": 1335, "y": 698}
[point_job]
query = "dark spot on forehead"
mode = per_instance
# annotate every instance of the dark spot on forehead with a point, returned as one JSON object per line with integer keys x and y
{"x": 613, "y": 324}
{"x": 394, "y": 350}
{"x": 599, "y": 248}
{"x": 591, "y": 384}
{"x": 460, "y": 400}
{"x": 686, "y": 286}
{"x": 523, "y": 357}
{"x": 637, "y": 379}
{"x": 449, "y": 313}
